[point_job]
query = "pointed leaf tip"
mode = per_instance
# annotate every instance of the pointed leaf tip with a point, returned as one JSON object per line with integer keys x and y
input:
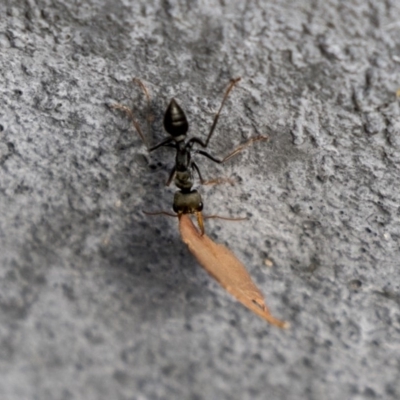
{"x": 227, "y": 270}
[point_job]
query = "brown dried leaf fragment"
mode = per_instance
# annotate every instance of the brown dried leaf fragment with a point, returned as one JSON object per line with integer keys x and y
{"x": 226, "y": 269}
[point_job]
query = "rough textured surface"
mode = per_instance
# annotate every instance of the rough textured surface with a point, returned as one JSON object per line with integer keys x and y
{"x": 98, "y": 301}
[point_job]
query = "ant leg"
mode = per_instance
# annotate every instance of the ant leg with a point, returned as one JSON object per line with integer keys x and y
{"x": 146, "y": 93}
{"x": 215, "y": 181}
{"x": 219, "y": 181}
{"x": 231, "y": 85}
{"x": 166, "y": 142}
{"x": 171, "y": 176}
{"x": 130, "y": 114}
{"x": 225, "y": 218}
{"x": 194, "y": 166}
{"x": 235, "y": 151}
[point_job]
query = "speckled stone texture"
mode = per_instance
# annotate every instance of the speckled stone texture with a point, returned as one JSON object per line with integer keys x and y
{"x": 99, "y": 301}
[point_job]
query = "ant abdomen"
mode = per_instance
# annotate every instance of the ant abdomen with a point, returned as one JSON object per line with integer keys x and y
{"x": 175, "y": 122}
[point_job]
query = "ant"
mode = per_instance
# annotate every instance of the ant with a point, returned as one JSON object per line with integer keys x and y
{"x": 186, "y": 199}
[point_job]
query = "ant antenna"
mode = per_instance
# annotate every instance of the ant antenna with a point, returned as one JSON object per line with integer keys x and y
{"x": 160, "y": 213}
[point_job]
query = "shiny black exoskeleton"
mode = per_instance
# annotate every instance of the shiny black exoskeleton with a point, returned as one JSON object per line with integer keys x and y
{"x": 186, "y": 200}
{"x": 177, "y": 126}
{"x": 175, "y": 123}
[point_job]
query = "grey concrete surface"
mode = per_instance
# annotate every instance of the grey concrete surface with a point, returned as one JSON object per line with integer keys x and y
{"x": 98, "y": 301}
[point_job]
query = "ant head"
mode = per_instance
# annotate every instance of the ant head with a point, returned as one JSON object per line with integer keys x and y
{"x": 175, "y": 122}
{"x": 187, "y": 202}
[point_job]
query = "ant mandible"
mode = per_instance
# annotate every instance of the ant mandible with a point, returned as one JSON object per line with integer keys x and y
{"x": 186, "y": 200}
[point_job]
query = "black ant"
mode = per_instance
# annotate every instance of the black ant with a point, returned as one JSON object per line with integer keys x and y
{"x": 186, "y": 200}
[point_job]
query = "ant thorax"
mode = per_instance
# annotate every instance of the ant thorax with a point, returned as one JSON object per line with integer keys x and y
{"x": 183, "y": 170}
{"x": 183, "y": 180}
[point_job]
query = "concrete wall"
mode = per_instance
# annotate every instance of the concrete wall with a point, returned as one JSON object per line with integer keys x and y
{"x": 99, "y": 301}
